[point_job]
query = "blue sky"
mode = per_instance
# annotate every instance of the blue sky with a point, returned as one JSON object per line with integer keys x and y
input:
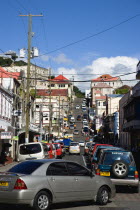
{"x": 115, "y": 51}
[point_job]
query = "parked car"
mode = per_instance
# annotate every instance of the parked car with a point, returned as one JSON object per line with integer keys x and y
{"x": 81, "y": 143}
{"x": 85, "y": 116}
{"x": 84, "y": 109}
{"x": 95, "y": 158}
{"x": 77, "y": 107}
{"x": 40, "y": 183}
{"x": 95, "y": 147}
{"x": 62, "y": 146}
{"x": 59, "y": 150}
{"x": 69, "y": 117}
{"x": 76, "y": 132}
{"x": 32, "y": 150}
{"x": 87, "y": 145}
{"x": 85, "y": 131}
{"x": 120, "y": 167}
{"x": 74, "y": 148}
{"x": 51, "y": 150}
{"x": 71, "y": 126}
{"x": 85, "y": 121}
{"x": 72, "y": 119}
{"x": 78, "y": 117}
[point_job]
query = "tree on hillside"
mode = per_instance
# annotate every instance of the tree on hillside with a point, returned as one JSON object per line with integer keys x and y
{"x": 8, "y": 62}
{"x": 122, "y": 90}
{"x": 78, "y": 92}
{"x": 5, "y": 61}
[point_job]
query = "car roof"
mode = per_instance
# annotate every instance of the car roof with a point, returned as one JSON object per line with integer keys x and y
{"x": 31, "y": 143}
{"x": 113, "y": 150}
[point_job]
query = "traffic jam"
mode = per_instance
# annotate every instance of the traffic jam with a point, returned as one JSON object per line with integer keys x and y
{"x": 52, "y": 172}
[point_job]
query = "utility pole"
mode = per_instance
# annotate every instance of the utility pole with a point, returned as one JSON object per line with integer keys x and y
{"x": 41, "y": 120}
{"x": 59, "y": 124}
{"x": 50, "y": 106}
{"x": 27, "y": 112}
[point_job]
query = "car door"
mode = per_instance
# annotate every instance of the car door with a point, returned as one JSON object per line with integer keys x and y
{"x": 84, "y": 184}
{"x": 61, "y": 183}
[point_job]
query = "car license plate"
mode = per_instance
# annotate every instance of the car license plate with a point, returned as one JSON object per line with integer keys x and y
{"x": 104, "y": 173}
{"x": 4, "y": 184}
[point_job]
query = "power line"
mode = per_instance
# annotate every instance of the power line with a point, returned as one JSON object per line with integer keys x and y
{"x": 91, "y": 36}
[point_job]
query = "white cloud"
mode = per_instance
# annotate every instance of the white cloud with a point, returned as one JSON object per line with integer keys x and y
{"x": 61, "y": 58}
{"x": 44, "y": 57}
{"x": 115, "y": 66}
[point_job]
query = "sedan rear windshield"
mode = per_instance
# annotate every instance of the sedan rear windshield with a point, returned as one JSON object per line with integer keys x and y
{"x": 30, "y": 149}
{"x": 110, "y": 157}
{"x": 26, "y": 167}
{"x": 74, "y": 144}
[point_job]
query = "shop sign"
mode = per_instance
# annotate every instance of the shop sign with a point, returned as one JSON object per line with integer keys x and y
{"x": 6, "y": 135}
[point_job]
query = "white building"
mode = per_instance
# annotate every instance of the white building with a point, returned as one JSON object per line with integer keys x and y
{"x": 39, "y": 75}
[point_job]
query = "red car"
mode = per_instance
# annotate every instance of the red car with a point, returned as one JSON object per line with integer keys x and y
{"x": 59, "y": 150}
{"x": 51, "y": 151}
{"x": 97, "y": 145}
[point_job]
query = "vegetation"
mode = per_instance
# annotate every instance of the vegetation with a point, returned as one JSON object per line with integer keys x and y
{"x": 20, "y": 63}
{"x": 78, "y": 93}
{"x": 122, "y": 90}
{"x": 5, "y": 61}
{"x": 8, "y": 62}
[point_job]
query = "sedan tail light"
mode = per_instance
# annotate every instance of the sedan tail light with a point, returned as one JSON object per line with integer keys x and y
{"x": 136, "y": 174}
{"x": 20, "y": 185}
{"x": 98, "y": 172}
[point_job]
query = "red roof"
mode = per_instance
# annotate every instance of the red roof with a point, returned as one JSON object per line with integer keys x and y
{"x": 54, "y": 92}
{"x": 60, "y": 77}
{"x": 100, "y": 97}
{"x": 106, "y": 78}
{"x": 6, "y": 74}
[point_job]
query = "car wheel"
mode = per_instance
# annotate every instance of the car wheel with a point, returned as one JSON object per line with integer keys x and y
{"x": 120, "y": 169}
{"x": 42, "y": 201}
{"x": 103, "y": 196}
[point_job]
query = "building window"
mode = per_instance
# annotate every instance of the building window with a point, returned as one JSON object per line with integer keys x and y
{"x": 104, "y": 103}
{"x": 99, "y": 104}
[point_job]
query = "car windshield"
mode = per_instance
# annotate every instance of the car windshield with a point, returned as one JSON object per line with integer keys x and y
{"x": 57, "y": 146}
{"x": 26, "y": 167}
{"x": 30, "y": 149}
{"x": 88, "y": 144}
{"x": 110, "y": 157}
{"x": 74, "y": 144}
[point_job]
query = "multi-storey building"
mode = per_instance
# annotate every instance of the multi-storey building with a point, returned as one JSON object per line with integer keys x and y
{"x": 38, "y": 75}
{"x": 130, "y": 118}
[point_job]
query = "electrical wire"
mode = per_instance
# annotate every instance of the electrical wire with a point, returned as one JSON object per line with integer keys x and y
{"x": 93, "y": 35}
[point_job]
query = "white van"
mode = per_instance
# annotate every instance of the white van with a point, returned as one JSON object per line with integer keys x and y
{"x": 33, "y": 150}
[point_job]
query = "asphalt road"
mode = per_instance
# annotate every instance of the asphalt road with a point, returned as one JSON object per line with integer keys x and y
{"x": 125, "y": 199}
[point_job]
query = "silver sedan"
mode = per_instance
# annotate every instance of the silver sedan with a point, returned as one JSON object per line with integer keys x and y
{"x": 39, "y": 183}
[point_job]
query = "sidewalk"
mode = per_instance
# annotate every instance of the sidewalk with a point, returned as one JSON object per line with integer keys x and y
{"x": 7, "y": 166}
